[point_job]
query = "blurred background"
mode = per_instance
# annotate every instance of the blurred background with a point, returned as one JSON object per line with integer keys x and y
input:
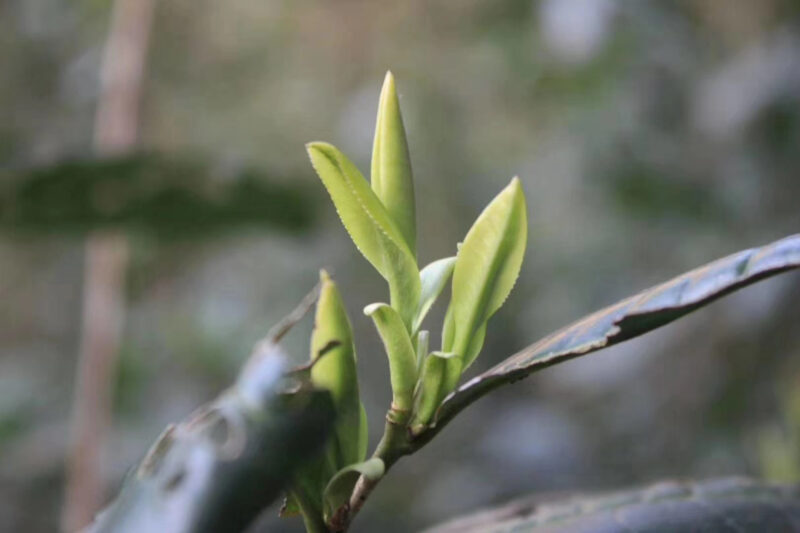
{"x": 650, "y": 137}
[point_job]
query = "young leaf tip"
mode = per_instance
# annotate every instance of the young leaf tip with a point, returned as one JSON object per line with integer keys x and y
{"x": 391, "y": 176}
{"x": 324, "y": 277}
{"x": 388, "y": 81}
{"x": 318, "y": 148}
{"x": 372, "y": 308}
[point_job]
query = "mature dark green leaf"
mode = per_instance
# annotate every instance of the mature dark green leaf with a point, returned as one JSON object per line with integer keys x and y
{"x": 220, "y": 468}
{"x": 634, "y": 316}
{"x": 730, "y": 505}
{"x": 163, "y": 195}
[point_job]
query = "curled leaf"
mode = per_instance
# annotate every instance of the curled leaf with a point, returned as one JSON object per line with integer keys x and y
{"x": 370, "y": 226}
{"x": 363, "y": 434}
{"x": 423, "y": 341}
{"x": 487, "y": 266}
{"x": 440, "y": 372}
{"x": 391, "y": 177}
{"x": 402, "y": 359}
{"x": 724, "y": 504}
{"x": 338, "y": 491}
{"x": 433, "y": 277}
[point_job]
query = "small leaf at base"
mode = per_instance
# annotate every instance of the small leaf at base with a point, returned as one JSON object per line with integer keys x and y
{"x": 338, "y": 491}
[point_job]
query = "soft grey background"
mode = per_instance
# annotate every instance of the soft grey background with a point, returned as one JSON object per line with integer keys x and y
{"x": 650, "y": 137}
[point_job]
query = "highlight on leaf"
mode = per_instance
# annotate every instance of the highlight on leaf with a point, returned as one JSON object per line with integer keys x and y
{"x": 400, "y": 351}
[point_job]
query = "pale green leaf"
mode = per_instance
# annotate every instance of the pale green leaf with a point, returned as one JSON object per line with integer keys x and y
{"x": 370, "y": 226}
{"x": 399, "y": 349}
{"x": 363, "y": 434}
{"x": 336, "y": 370}
{"x": 338, "y": 491}
{"x": 438, "y": 372}
{"x": 448, "y": 328}
{"x": 486, "y": 269}
{"x": 434, "y": 277}
{"x": 391, "y": 177}
{"x": 423, "y": 340}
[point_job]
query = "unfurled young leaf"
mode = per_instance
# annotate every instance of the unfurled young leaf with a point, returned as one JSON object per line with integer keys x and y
{"x": 370, "y": 226}
{"x": 433, "y": 277}
{"x": 391, "y": 164}
{"x": 337, "y": 493}
{"x": 336, "y": 372}
{"x": 402, "y": 359}
{"x": 487, "y": 265}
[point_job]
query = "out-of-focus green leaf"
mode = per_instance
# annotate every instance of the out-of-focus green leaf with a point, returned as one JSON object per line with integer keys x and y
{"x": 338, "y": 491}
{"x": 391, "y": 177}
{"x": 370, "y": 226}
{"x": 290, "y": 507}
{"x": 220, "y": 468}
{"x": 336, "y": 370}
{"x": 434, "y": 278}
{"x": 487, "y": 266}
{"x": 402, "y": 359}
{"x": 721, "y": 505}
{"x": 163, "y": 195}
{"x": 634, "y": 316}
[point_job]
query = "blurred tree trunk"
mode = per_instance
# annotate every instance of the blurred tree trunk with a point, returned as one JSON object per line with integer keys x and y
{"x": 116, "y": 131}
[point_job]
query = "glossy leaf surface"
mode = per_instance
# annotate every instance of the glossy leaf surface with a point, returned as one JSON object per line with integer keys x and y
{"x": 729, "y": 505}
{"x": 634, "y": 316}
